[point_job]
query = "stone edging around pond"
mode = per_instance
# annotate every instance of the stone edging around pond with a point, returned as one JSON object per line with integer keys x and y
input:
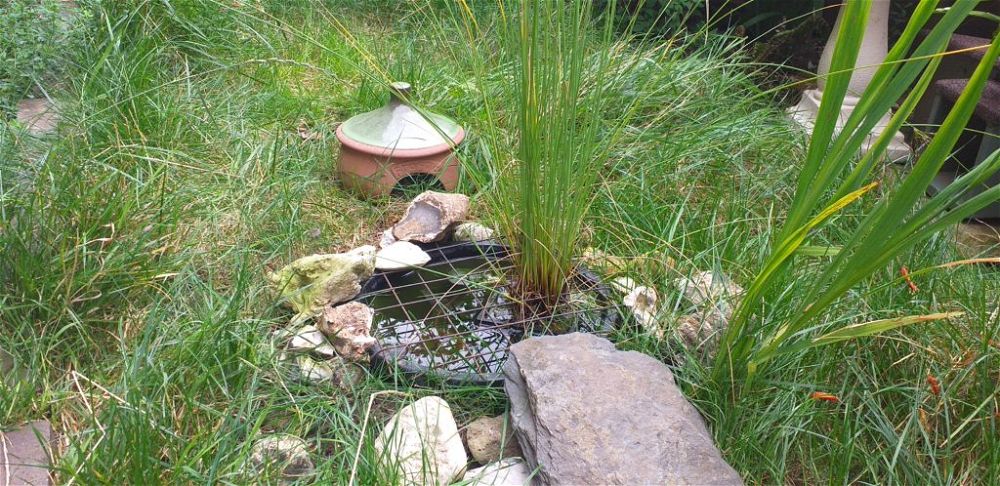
{"x": 423, "y": 442}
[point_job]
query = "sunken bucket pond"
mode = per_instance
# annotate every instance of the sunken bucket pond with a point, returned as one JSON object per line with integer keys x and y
{"x": 453, "y": 319}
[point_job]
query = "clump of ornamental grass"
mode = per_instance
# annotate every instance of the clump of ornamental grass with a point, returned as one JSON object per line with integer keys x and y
{"x": 832, "y": 178}
{"x": 557, "y": 84}
{"x": 550, "y": 129}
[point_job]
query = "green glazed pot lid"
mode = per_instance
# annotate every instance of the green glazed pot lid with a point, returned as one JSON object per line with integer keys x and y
{"x": 398, "y": 126}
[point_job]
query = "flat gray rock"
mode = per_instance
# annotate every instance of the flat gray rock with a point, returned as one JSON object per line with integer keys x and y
{"x": 24, "y": 455}
{"x": 490, "y": 439}
{"x": 585, "y": 413}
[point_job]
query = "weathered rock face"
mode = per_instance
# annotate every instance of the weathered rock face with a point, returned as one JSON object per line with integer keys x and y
{"x": 490, "y": 439}
{"x": 702, "y": 330}
{"x": 386, "y": 239}
{"x": 24, "y": 454}
{"x": 400, "y": 256}
{"x": 346, "y": 374}
{"x": 422, "y": 442}
{"x": 709, "y": 288}
{"x": 431, "y": 216}
{"x": 333, "y": 371}
{"x": 311, "y": 282}
{"x": 585, "y": 413}
{"x": 642, "y": 301}
{"x": 472, "y": 232}
{"x": 308, "y": 369}
{"x": 508, "y": 472}
{"x": 715, "y": 297}
{"x": 285, "y": 452}
{"x": 349, "y": 327}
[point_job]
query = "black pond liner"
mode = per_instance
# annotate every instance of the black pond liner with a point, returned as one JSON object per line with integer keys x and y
{"x": 446, "y": 322}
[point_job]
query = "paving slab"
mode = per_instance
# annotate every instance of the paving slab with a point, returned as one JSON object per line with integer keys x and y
{"x": 39, "y": 115}
{"x": 25, "y": 455}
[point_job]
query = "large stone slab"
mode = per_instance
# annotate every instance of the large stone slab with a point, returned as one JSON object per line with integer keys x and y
{"x": 431, "y": 217}
{"x": 25, "y": 455}
{"x": 585, "y": 413}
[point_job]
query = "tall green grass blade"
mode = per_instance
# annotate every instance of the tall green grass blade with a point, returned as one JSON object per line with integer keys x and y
{"x": 855, "y": 331}
{"x": 896, "y": 222}
{"x": 864, "y": 168}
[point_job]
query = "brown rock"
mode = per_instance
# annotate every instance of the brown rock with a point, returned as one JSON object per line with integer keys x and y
{"x": 490, "y": 439}
{"x": 431, "y": 216}
{"x": 701, "y": 330}
{"x": 348, "y": 327}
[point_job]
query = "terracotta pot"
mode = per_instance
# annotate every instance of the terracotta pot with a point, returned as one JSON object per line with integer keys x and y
{"x": 381, "y": 148}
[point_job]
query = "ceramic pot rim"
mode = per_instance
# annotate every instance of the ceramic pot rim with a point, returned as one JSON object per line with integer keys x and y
{"x": 398, "y": 153}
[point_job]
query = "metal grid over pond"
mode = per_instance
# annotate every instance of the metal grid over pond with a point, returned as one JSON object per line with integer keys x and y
{"x": 455, "y": 318}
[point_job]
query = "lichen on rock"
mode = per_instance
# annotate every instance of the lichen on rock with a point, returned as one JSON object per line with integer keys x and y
{"x": 311, "y": 282}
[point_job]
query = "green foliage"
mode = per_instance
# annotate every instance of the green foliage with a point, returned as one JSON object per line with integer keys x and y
{"x": 655, "y": 16}
{"x": 547, "y": 146}
{"x": 830, "y": 180}
{"x": 33, "y": 38}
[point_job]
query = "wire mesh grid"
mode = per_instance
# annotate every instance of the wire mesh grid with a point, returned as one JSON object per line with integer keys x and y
{"x": 456, "y": 317}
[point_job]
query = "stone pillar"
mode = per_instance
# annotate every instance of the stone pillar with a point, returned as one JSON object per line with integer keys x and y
{"x": 874, "y": 47}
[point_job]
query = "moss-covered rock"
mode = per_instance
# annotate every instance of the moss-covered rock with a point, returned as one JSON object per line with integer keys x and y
{"x": 311, "y": 282}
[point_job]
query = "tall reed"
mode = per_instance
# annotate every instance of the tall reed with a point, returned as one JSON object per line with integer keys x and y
{"x": 833, "y": 177}
{"x": 564, "y": 66}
